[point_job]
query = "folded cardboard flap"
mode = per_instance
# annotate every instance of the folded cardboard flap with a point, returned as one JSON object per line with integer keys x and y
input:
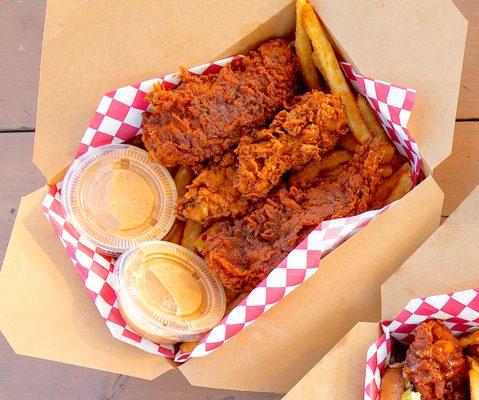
{"x": 338, "y": 374}
{"x": 309, "y": 321}
{"x": 145, "y": 41}
{"x": 418, "y": 44}
{"x": 449, "y": 255}
{"x": 46, "y": 312}
{"x": 139, "y": 47}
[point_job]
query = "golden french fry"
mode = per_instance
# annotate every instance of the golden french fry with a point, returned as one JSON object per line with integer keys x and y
{"x": 199, "y": 244}
{"x": 348, "y": 142}
{"x": 335, "y": 172}
{"x": 387, "y": 186}
{"x": 474, "y": 378}
{"x": 176, "y": 232}
{"x": 315, "y": 168}
{"x": 187, "y": 347}
{"x": 191, "y": 232}
{"x": 375, "y": 127}
{"x": 469, "y": 339}
{"x": 304, "y": 51}
{"x": 387, "y": 171}
{"x": 326, "y": 61}
{"x": 402, "y": 188}
{"x": 182, "y": 179}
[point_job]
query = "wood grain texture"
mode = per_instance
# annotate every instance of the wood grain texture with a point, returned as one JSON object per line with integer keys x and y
{"x": 20, "y": 48}
{"x": 458, "y": 175}
{"x": 468, "y": 106}
{"x": 35, "y": 379}
{"x": 18, "y": 177}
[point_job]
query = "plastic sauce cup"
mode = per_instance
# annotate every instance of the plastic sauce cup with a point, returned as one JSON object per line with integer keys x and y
{"x": 117, "y": 197}
{"x": 166, "y": 293}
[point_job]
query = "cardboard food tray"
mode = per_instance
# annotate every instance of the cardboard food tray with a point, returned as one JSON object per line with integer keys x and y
{"x": 118, "y": 119}
{"x": 353, "y": 368}
{"x": 43, "y": 293}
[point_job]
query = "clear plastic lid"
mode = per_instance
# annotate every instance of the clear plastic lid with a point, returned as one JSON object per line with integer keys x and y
{"x": 118, "y": 197}
{"x": 166, "y": 292}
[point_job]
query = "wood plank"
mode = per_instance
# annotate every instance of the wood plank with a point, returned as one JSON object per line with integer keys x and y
{"x": 34, "y": 379}
{"x": 57, "y": 381}
{"x": 174, "y": 386}
{"x": 19, "y": 177}
{"x": 21, "y": 31}
{"x": 459, "y": 173}
{"x": 468, "y": 106}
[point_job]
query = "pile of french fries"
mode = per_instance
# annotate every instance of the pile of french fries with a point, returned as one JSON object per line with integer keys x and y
{"x": 316, "y": 53}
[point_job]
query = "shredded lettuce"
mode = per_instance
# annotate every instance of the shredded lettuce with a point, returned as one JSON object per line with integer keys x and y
{"x": 410, "y": 395}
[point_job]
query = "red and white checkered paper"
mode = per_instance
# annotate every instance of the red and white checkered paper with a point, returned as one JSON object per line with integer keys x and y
{"x": 118, "y": 118}
{"x": 459, "y": 311}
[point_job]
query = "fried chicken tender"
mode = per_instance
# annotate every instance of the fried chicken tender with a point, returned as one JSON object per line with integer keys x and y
{"x": 242, "y": 252}
{"x": 309, "y": 129}
{"x": 213, "y": 194}
{"x": 206, "y": 115}
{"x": 230, "y": 187}
{"x": 435, "y": 364}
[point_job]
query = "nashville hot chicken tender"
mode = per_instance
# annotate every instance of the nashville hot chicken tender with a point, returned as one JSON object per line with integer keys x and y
{"x": 435, "y": 364}
{"x": 242, "y": 252}
{"x": 206, "y": 115}
{"x": 308, "y": 130}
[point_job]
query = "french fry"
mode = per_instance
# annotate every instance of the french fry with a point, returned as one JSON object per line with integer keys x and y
{"x": 387, "y": 186}
{"x": 326, "y": 61}
{"x": 199, "y": 244}
{"x": 187, "y": 347}
{"x": 387, "y": 171}
{"x": 182, "y": 179}
{"x": 402, "y": 188}
{"x": 375, "y": 127}
{"x": 176, "y": 232}
{"x": 304, "y": 51}
{"x": 473, "y": 378}
{"x": 191, "y": 232}
{"x": 335, "y": 172}
{"x": 470, "y": 339}
{"x": 348, "y": 142}
{"x": 315, "y": 168}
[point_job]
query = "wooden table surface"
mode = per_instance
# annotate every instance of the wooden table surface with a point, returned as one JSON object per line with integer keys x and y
{"x": 20, "y": 47}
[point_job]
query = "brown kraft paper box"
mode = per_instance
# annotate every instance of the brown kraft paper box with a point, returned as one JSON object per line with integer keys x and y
{"x": 41, "y": 291}
{"x": 445, "y": 263}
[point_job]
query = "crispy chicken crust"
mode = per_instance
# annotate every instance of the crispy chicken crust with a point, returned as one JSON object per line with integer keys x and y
{"x": 311, "y": 128}
{"x": 242, "y": 252}
{"x": 435, "y": 364}
{"x": 206, "y": 115}
{"x": 229, "y": 188}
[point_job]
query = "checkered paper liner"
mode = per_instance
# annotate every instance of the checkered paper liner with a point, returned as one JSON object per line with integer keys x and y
{"x": 118, "y": 118}
{"x": 459, "y": 311}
